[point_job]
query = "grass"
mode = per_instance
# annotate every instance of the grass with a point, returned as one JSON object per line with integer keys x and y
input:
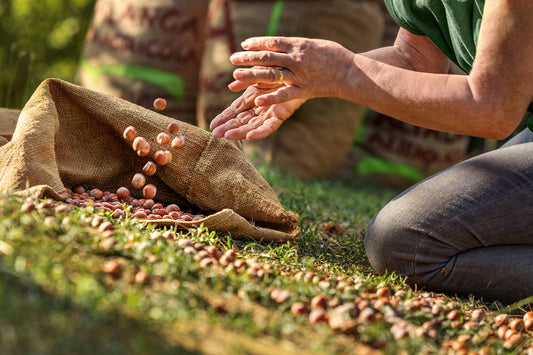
{"x": 58, "y": 299}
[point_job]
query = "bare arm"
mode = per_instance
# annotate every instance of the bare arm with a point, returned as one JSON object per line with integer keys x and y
{"x": 412, "y": 52}
{"x": 408, "y": 81}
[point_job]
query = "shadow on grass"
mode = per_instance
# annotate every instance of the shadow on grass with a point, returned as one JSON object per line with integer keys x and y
{"x": 34, "y": 321}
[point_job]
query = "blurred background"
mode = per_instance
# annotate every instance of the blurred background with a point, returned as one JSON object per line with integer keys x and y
{"x": 38, "y": 40}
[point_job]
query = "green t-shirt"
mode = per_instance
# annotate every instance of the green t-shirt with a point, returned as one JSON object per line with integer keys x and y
{"x": 453, "y": 25}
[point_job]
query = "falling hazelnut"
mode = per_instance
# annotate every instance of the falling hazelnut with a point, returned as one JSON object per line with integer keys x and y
{"x": 149, "y": 168}
{"x": 178, "y": 141}
{"x": 141, "y": 146}
{"x": 130, "y": 134}
{"x": 161, "y": 158}
{"x": 169, "y": 156}
{"x": 149, "y": 191}
{"x": 173, "y": 128}
{"x": 163, "y": 138}
{"x": 160, "y": 104}
{"x": 138, "y": 181}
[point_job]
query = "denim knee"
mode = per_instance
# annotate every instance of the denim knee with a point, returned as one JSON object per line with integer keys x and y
{"x": 391, "y": 241}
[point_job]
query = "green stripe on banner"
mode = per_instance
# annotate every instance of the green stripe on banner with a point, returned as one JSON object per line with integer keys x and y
{"x": 275, "y": 16}
{"x": 171, "y": 82}
{"x": 370, "y": 165}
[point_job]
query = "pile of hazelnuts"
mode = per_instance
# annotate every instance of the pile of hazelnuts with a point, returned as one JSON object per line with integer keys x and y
{"x": 116, "y": 202}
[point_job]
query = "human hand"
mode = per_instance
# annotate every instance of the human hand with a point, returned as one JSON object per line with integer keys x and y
{"x": 285, "y": 73}
{"x": 243, "y": 119}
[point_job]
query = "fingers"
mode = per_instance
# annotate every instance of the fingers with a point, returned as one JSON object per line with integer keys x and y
{"x": 255, "y": 123}
{"x": 217, "y": 123}
{"x": 241, "y": 104}
{"x": 277, "y": 44}
{"x": 263, "y": 75}
{"x": 237, "y": 86}
{"x": 242, "y": 119}
{"x": 283, "y": 94}
{"x": 267, "y": 128}
{"x": 264, "y": 78}
{"x": 258, "y": 127}
{"x": 238, "y": 127}
{"x": 261, "y": 58}
{"x": 239, "y": 132}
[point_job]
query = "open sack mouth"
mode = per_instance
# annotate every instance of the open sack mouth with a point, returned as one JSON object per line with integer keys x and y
{"x": 68, "y": 137}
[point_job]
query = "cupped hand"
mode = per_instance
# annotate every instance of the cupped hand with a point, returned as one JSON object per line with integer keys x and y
{"x": 245, "y": 120}
{"x": 284, "y": 72}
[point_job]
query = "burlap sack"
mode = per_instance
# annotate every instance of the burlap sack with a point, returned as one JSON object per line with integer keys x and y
{"x": 68, "y": 135}
{"x": 142, "y": 49}
{"x": 8, "y": 122}
{"x": 319, "y": 134}
{"x": 398, "y": 154}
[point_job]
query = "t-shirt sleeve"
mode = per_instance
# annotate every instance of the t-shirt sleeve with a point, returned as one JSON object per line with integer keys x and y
{"x": 402, "y": 12}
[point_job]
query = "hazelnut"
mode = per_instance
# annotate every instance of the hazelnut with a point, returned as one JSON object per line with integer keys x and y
{"x": 299, "y": 308}
{"x": 141, "y": 146}
{"x": 163, "y": 138}
{"x": 516, "y": 324}
{"x": 149, "y": 191}
{"x": 279, "y": 295}
{"x": 318, "y": 316}
{"x": 319, "y": 302}
{"x": 130, "y": 134}
{"x": 501, "y": 319}
{"x": 528, "y": 320}
{"x": 123, "y": 193}
{"x": 96, "y": 193}
{"x": 384, "y": 292}
{"x": 138, "y": 181}
{"x": 161, "y": 158}
{"x": 178, "y": 141}
{"x": 173, "y": 128}
{"x": 112, "y": 267}
{"x": 160, "y": 104}
{"x": 149, "y": 168}
{"x": 141, "y": 277}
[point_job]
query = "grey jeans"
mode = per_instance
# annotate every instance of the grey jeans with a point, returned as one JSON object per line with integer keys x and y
{"x": 466, "y": 230}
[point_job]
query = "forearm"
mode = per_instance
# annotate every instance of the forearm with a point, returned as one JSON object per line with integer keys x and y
{"x": 414, "y": 86}
{"x": 411, "y": 52}
{"x": 436, "y": 101}
{"x": 391, "y": 55}
{"x": 415, "y": 89}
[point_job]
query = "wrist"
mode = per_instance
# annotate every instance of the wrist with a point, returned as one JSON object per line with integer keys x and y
{"x": 346, "y": 78}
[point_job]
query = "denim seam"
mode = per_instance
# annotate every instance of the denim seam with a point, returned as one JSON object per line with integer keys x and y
{"x": 425, "y": 235}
